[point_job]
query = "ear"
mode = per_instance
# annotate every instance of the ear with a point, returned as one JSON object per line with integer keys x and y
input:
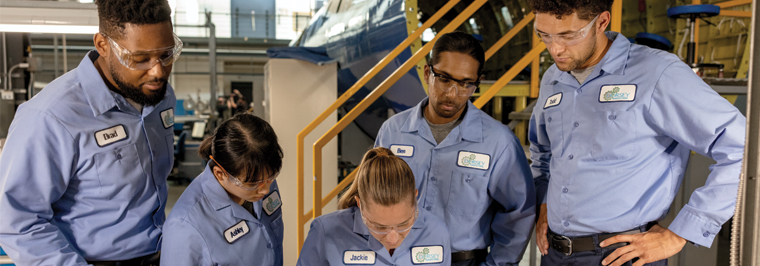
{"x": 102, "y": 45}
{"x": 604, "y": 21}
{"x": 358, "y": 202}
{"x": 218, "y": 173}
{"x": 416, "y": 192}
{"x": 427, "y": 74}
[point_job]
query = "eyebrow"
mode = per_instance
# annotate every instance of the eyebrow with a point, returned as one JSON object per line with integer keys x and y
{"x": 449, "y": 75}
{"x": 561, "y": 33}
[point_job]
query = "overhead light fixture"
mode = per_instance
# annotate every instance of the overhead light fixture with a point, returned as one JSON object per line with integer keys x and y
{"x": 32, "y": 28}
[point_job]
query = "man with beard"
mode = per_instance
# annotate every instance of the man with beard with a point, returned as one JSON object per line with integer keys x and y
{"x": 471, "y": 170}
{"x": 610, "y": 137}
{"x": 84, "y": 172}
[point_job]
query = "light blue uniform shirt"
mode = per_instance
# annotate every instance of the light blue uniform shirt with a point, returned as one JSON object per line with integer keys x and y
{"x": 84, "y": 173}
{"x": 477, "y": 180}
{"x": 342, "y": 238}
{"x": 206, "y": 227}
{"x": 609, "y": 155}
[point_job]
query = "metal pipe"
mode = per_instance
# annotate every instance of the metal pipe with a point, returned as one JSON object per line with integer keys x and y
{"x": 65, "y": 60}
{"x": 750, "y": 220}
{"x": 5, "y": 60}
{"x": 212, "y": 66}
{"x": 55, "y": 54}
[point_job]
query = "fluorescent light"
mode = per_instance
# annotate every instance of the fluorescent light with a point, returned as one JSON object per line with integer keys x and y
{"x": 68, "y": 29}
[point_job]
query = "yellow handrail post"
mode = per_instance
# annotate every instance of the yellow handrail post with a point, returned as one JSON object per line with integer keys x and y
{"x": 534, "y": 69}
{"x": 341, "y": 100}
{"x": 617, "y": 15}
{"x": 376, "y": 93}
{"x": 733, "y": 3}
{"x": 696, "y": 35}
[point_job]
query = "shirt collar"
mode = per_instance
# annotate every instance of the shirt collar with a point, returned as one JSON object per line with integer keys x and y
{"x": 613, "y": 62}
{"x": 471, "y": 128}
{"x": 100, "y": 98}
{"x": 218, "y": 197}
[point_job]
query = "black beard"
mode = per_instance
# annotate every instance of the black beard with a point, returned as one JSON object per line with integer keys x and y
{"x": 136, "y": 94}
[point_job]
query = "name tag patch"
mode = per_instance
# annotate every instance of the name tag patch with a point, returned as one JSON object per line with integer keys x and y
{"x": 272, "y": 203}
{"x": 358, "y": 257}
{"x": 553, "y": 100}
{"x": 402, "y": 150}
{"x": 617, "y": 93}
{"x": 473, "y": 160}
{"x": 108, "y": 136}
{"x": 236, "y": 232}
{"x": 167, "y": 116}
{"x": 427, "y": 254}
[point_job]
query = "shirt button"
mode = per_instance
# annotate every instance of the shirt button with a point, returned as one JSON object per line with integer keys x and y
{"x": 570, "y": 157}
{"x": 576, "y": 124}
{"x": 612, "y": 117}
{"x": 118, "y": 156}
{"x": 564, "y": 190}
{"x": 580, "y": 90}
{"x": 269, "y": 245}
{"x": 432, "y": 178}
{"x": 261, "y": 225}
{"x": 428, "y": 208}
{"x": 706, "y": 234}
{"x": 567, "y": 224}
{"x": 550, "y": 119}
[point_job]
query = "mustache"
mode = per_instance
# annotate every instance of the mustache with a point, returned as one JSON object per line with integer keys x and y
{"x": 156, "y": 81}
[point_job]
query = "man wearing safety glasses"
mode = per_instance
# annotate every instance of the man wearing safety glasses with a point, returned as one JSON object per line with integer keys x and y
{"x": 84, "y": 171}
{"x": 611, "y": 135}
{"x": 470, "y": 169}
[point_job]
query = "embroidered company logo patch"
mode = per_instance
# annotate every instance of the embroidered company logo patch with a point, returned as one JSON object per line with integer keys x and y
{"x": 272, "y": 203}
{"x": 429, "y": 254}
{"x": 236, "y": 232}
{"x": 553, "y": 100}
{"x": 402, "y": 150}
{"x": 617, "y": 93}
{"x": 167, "y": 116}
{"x": 473, "y": 160}
{"x": 358, "y": 257}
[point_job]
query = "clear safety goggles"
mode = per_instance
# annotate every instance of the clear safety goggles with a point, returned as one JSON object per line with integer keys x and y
{"x": 446, "y": 83}
{"x": 146, "y": 59}
{"x": 385, "y": 229}
{"x": 247, "y": 186}
{"x": 566, "y": 39}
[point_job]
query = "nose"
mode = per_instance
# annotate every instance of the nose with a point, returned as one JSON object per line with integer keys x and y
{"x": 264, "y": 189}
{"x": 555, "y": 49}
{"x": 157, "y": 70}
{"x": 392, "y": 237}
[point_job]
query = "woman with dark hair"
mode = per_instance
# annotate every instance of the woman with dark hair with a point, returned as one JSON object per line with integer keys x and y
{"x": 230, "y": 214}
{"x": 379, "y": 222}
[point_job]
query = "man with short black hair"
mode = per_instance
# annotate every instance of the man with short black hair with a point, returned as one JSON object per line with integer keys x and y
{"x": 84, "y": 171}
{"x": 610, "y": 137}
{"x": 471, "y": 170}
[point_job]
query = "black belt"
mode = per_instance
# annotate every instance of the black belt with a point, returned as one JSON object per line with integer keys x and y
{"x": 570, "y": 245}
{"x": 147, "y": 260}
{"x": 468, "y": 255}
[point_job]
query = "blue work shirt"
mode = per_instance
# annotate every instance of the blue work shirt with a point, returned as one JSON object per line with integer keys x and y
{"x": 84, "y": 173}
{"x": 206, "y": 227}
{"x": 477, "y": 180}
{"x": 342, "y": 238}
{"x": 609, "y": 155}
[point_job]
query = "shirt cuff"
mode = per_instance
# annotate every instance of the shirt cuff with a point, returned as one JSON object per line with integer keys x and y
{"x": 694, "y": 229}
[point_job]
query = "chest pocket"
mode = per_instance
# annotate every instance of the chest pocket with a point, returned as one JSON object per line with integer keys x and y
{"x": 120, "y": 173}
{"x": 615, "y": 132}
{"x": 553, "y": 122}
{"x": 277, "y": 228}
{"x": 468, "y": 194}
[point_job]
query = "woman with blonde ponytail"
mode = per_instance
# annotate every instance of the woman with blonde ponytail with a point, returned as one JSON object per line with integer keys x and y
{"x": 379, "y": 222}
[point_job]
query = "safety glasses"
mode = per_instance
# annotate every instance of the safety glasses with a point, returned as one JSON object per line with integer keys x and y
{"x": 565, "y": 39}
{"x": 446, "y": 83}
{"x": 249, "y": 186}
{"x": 146, "y": 59}
{"x": 385, "y": 229}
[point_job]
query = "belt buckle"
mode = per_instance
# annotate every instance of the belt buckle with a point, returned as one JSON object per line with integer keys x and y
{"x": 569, "y": 244}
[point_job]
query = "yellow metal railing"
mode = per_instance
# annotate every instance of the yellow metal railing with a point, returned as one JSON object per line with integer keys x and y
{"x": 532, "y": 57}
{"x": 340, "y": 101}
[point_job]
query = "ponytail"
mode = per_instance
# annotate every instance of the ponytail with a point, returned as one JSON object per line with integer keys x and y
{"x": 383, "y": 178}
